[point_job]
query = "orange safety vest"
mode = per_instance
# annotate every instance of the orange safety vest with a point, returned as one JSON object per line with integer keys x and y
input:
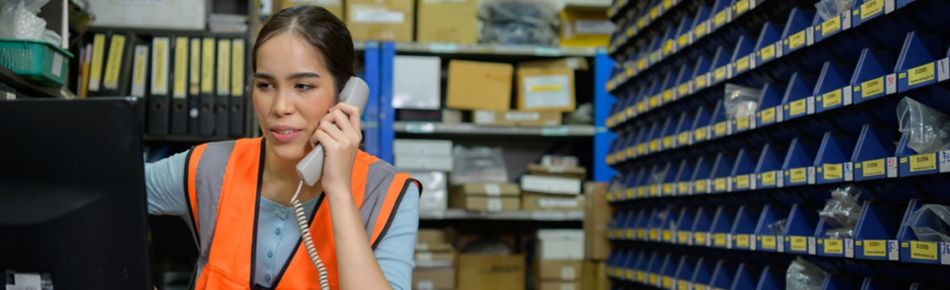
{"x": 223, "y": 183}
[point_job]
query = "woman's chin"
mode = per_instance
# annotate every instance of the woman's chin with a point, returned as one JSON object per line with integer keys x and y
{"x": 289, "y": 151}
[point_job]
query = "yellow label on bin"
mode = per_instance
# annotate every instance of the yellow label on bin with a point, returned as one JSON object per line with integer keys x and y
{"x": 834, "y": 246}
{"x": 742, "y": 241}
{"x": 798, "y": 107}
{"x": 720, "y": 128}
{"x": 682, "y": 236}
{"x": 668, "y": 47}
{"x": 654, "y": 101}
{"x": 681, "y": 284}
{"x": 742, "y": 6}
{"x": 799, "y": 244}
{"x": 796, "y": 40}
{"x": 699, "y": 186}
{"x": 873, "y": 167}
{"x": 700, "y": 134}
{"x": 799, "y": 175}
{"x": 920, "y": 74}
{"x": 768, "y": 178}
{"x": 875, "y": 248}
{"x": 768, "y": 52}
{"x": 641, "y": 276}
{"x": 666, "y": 235}
{"x": 667, "y": 188}
{"x": 682, "y": 90}
{"x": 831, "y": 171}
{"x": 720, "y": 73}
{"x": 667, "y": 282}
{"x": 667, "y": 4}
{"x": 721, "y": 17}
{"x": 668, "y": 95}
{"x": 682, "y": 187}
{"x": 652, "y": 278}
{"x": 641, "y": 234}
{"x": 653, "y": 235}
{"x": 668, "y": 142}
{"x": 831, "y": 25}
{"x": 742, "y": 64}
{"x": 699, "y": 30}
{"x": 700, "y": 238}
{"x": 831, "y": 99}
{"x": 923, "y": 250}
{"x": 719, "y": 240}
{"x": 742, "y": 182}
{"x": 923, "y": 162}
{"x": 872, "y": 87}
{"x": 654, "y": 145}
{"x": 871, "y": 8}
{"x": 742, "y": 123}
{"x": 720, "y": 184}
{"x": 642, "y": 63}
{"x": 768, "y": 242}
{"x": 682, "y": 138}
{"x": 683, "y": 40}
{"x": 655, "y": 12}
{"x": 767, "y": 115}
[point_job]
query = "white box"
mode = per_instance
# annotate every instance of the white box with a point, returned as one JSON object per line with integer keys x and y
{"x": 424, "y": 148}
{"x": 439, "y": 163}
{"x": 417, "y": 82}
{"x": 550, "y": 184}
{"x": 161, "y": 14}
{"x": 436, "y": 196}
{"x": 560, "y": 244}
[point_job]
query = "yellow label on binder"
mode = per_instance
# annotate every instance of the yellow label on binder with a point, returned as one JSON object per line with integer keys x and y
{"x": 700, "y": 238}
{"x": 875, "y": 248}
{"x": 721, "y": 17}
{"x": 98, "y": 51}
{"x": 920, "y": 74}
{"x": 682, "y": 236}
{"x": 699, "y": 30}
{"x": 720, "y": 128}
{"x": 831, "y": 171}
{"x": 767, "y": 115}
{"x": 796, "y": 40}
{"x": 834, "y": 246}
{"x": 871, "y": 8}
{"x": 768, "y": 178}
{"x": 207, "y": 65}
{"x": 114, "y": 62}
{"x": 683, "y": 89}
{"x": 720, "y": 184}
{"x": 872, "y": 87}
{"x": 667, "y": 235}
{"x": 667, "y": 95}
{"x": 799, "y": 175}
{"x": 699, "y": 134}
{"x": 237, "y": 68}
{"x": 768, "y": 242}
{"x": 742, "y": 123}
{"x": 138, "y": 70}
{"x": 720, "y": 73}
{"x": 873, "y": 167}
{"x": 923, "y": 250}
{"x": 797, "y": 107}
{"x": 719, "y": 240}
{"x": 742, "y": 6}
{"x": 742, "y": 241}
{"x": 831, "y": 25}
{"x": 768, "y": 52}
{"x": 742, "y": 182}
{"x": 799, "y": 244}
{"x": 159, "y": 66}
{"x": 180, "y": 82}
{"x": 682, "y": 187}
{"x": 224, "y": 67}
{"x": 923, "y": 162}
{"x": 742, "y": 64}
{"x": 830, "y": 99}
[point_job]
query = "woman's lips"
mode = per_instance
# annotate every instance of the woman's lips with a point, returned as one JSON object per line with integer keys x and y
{"x": 284, "y": 133}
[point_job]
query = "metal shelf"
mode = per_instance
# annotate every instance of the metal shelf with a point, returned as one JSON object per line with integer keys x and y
{"x": 460, "y": 214}
{"x": 25, "y": 87}
{"x": 490, "y": 49}
{"x": 472, "y": 129}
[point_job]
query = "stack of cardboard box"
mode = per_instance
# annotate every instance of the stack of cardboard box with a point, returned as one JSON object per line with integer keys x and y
{"x": 559, "y": 259}
{"x": 486, "y": 196}
{"x": 554, "y": 184}
{"x": 435, "y": 261}
{"x": 427, "y": 160}
{"x": 596, "y": 246}
{"x": 480, "y": 272}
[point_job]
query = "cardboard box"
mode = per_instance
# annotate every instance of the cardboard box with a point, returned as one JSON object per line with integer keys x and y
{"x": 420, "y": 147}
{"x": 484, "y": 203}
{"x": 479, "y": 85}
{"x": 480, "y": 272}
{"x": 551, "y": 184}
{"x": 558, "y": 270}
{"x": 548, "y": 89}
{"x": 426, "y": 259}
{"x": 435, "y": 185}
{"x": 448, "y": 21}
{"x": 560, "y": 245}
{"x": 541, "y": 202}
{"x": 488, "y": 189}
{"x": 575, "y": 172}
{"x": 559, "y": 285}
{"x": 585, "y": 26}
{"x": 440, "y": 163}
{"x": 417, "y": 82}
{"x": 573, "y": 63}
{"x": 597, "y": 216}
{"x": 334, "y": 6}
{"x": 520, "y": 118}
{"x": 390, "y": 20}
{"x": 178, "y": 15}
{"x": 595, "y": 276}
{"x": 450, "y": 116}
{"x": 431, "y": 236}
{"x": 434, "y": 247}
{"x": 433, "y": 278}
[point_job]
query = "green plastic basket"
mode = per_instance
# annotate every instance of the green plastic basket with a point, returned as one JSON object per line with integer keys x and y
{"x": 37, "y": 61}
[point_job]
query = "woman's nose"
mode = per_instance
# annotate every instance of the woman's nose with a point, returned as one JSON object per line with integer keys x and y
{"x": 283, "y": 104}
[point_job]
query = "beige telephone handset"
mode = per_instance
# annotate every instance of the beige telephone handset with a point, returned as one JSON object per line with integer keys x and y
{"x": 310, "y": 169}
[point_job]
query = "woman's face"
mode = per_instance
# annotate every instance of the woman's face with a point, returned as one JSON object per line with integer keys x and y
{"x": 292, "y": 92}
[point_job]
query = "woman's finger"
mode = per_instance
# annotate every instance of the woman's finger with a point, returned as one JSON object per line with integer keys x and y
{"x": 331, "y": 129}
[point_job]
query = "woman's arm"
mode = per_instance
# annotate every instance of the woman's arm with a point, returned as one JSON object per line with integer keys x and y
{"x": 164, "y": 184}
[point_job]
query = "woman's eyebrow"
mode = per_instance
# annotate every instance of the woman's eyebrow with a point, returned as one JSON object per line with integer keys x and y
{"x": 303, "y": 75}
{"x": 260, "y": 75}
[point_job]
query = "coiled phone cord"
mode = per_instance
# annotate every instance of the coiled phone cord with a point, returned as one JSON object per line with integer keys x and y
{"x": 304, "y": 228}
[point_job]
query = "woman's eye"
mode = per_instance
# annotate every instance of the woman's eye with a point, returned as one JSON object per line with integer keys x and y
{"x": 264, "y": 86}
{"x": 303, "y": 87}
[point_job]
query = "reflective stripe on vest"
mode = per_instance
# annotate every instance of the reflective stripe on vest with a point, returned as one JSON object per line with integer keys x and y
{"x": 223, "y": 181}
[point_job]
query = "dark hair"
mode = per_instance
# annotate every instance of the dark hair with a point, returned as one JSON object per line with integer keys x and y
{"x": 325, "y": 32}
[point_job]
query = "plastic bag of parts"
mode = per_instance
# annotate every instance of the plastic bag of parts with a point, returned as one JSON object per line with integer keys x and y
{"x": 831, "y": 8}
{"x": 802, "y": 275}
{"x": 18, "y": 19}
{"x": 741, "y": 101}
{"x": 777, "y": 228}
{"x": 931, "y": 223}
{"x": 841, "y": 211}
{"x": 482, "y": 164}
{"x": 928, "y": 130}
{"x": 519, "y": 22}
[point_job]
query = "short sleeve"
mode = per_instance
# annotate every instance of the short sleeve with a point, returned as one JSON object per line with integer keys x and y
{"x": 394, "y": 253}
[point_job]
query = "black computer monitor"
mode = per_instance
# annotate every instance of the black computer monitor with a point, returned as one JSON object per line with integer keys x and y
{"x": 72, "y": 192}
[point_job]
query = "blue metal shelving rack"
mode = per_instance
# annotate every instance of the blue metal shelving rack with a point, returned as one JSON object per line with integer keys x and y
{"x": 705, "y": 201}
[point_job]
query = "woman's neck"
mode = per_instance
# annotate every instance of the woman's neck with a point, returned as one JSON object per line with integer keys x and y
{"x": 281, "y": 180}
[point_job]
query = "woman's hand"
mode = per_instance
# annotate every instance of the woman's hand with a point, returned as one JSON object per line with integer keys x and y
{"x": 339, "y": 133}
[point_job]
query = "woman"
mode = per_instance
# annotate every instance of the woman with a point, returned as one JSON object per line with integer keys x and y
{"x": 363, "y": 214}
